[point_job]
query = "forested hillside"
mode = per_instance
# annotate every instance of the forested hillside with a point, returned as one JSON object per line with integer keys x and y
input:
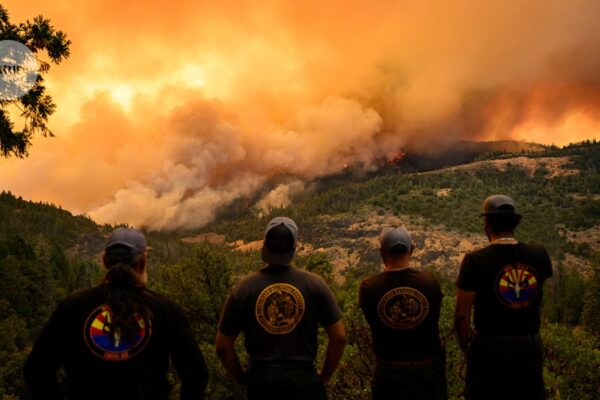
{"x": 46, "y": 253}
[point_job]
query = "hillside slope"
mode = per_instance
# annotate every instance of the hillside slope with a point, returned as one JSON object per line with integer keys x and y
{"x": 558, "y": 193}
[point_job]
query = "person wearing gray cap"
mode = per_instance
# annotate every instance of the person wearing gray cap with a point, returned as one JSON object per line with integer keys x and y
{"x": 279, "y": 309}
{"x": 115, "y": 339}
{"x": 503, "y": 283}
{"x": 402, "y": 306}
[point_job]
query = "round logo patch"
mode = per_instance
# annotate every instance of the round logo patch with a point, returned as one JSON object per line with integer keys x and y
{"x": 517, "y": 285}
{"x": 106, "y": 344}
{"x": 403, "y": 308}
{"x": 279, "y": 308}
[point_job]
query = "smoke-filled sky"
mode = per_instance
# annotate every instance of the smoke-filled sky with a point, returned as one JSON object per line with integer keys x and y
{"x": 169, "y": 110}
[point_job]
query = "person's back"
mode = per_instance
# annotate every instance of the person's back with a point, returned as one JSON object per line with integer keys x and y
{"x": 516, "y": 272}
{"x": 503, "y": 282}
{"x": 279, "y": 310}
{"x": 115, "y": 340}
{"x": 402, "y": 306}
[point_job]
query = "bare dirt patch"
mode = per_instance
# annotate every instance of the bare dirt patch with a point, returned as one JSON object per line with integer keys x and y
{"x": 556, "y": 166}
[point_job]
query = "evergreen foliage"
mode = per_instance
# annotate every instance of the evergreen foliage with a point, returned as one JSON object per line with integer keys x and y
{"x": 35, "y": 106}
{"x": 46, "y": 253}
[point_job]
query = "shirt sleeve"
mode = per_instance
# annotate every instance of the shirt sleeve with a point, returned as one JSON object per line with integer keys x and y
{"x": 187, "y": 357}
{"x": 46, "y": 358}
{"x": 361, "y": 296}
{"x": 364, "y": 301}
{"x": 328, "y": 310}
{"x": 467, "y": 276}
{"x": 231, "y": 317}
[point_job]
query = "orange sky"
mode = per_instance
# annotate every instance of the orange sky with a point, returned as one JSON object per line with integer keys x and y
{"x": 168, "y": 110}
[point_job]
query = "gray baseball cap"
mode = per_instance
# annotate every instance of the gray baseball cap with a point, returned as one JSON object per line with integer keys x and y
{"x": 499, "y": 204}
{"x": 392, "y": 237}
{"x": 128, "y": 237}
{"x": 281, "y": 237}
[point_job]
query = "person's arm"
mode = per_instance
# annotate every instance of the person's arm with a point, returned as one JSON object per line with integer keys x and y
{"x": 45, "y": 359}
{"x": 362, "y": 301}
{"x": 230, "y": 327}
{"x": 336, "y": 334}
{"x": 226, "y": 352}
{"x": 462, "y": 317}
{"x": 187, "y": 358}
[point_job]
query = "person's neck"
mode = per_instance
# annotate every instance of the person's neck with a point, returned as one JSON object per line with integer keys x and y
{"x": 504, "y": 236}
{"x": 396, "y": 267}
{"x": 277, "y": 266}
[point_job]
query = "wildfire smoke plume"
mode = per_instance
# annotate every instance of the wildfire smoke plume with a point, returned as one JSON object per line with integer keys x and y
{"x": 166, "y": 114}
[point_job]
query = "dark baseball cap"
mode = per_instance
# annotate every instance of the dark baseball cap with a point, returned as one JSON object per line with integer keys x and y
{"x": 130, "y": 238}
{"x": 281, "y": 237}
{"x": 499, "y": 204}
{"x": 393, "y": 237}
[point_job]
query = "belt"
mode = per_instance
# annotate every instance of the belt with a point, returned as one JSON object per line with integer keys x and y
{"x": 406, "y": 363}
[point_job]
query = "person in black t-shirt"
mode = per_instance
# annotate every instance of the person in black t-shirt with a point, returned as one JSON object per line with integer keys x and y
{"x": 402, "y": 306}
{"x": 279, "y": 310}
{"x": 115, "y": 340}
{"x": 503, "y": 282}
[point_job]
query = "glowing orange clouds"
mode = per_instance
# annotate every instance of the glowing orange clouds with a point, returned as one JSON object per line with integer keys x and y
{"x": 167, "y": 111}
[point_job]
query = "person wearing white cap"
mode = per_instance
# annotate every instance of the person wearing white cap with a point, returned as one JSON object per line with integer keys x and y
{"x": 402, "y": 306}
{"x": 115, "y": 340}
{"x": 503, "y": 283}
{"x": 279, "y": 310}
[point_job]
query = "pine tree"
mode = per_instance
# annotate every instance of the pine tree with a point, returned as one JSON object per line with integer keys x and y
{"x": 35, "y": 106}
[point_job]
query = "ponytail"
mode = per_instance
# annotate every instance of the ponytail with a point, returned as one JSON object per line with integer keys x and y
{"x": 126, "y": 295}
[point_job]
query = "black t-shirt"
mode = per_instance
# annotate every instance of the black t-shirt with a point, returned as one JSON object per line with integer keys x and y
{"x": 508, "y": 281}
{"x": 100, "y": 367}
{"x": 403, "y": 308}
{"x": 279, "y": 310}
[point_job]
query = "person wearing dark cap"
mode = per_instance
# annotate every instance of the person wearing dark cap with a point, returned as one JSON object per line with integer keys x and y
{"x": 402, "y": 306}
{"x": 115, "y": 340}
{"x": 503, "y": 283}
{"x": 279, "y": 310}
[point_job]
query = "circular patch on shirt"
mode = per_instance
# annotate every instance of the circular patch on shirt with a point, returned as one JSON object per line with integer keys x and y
{"x": 517, "y": 285}
{"x": 279, "y": 308}
{"x": 403, "y": 308}
{"x": 106, "y": 344}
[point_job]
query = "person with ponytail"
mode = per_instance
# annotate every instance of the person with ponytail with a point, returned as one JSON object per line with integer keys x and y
{"x": 116, "y": 339}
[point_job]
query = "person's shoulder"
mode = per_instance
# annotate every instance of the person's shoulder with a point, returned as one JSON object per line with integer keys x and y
{"x": 426, "y": 275}
{"x": 309, "y": 276}
{"x": 85, "y": 295}
{"x": 163, "y": 301}
{"x": 157, "y": 296}
{"x": 373, "y": 284}
{"x": 249, "y": 280}
{"x": 481, "y": 252}
{"x": 534, "y": 247}
{"x": 160, "y": 298}
{"x": 373, "y": 279}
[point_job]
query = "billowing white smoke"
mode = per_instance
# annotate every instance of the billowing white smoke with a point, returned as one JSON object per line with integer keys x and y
{"x": 164, "y": 121}
{"x": 213, "y": 161}
{"x": 281, "y": 196}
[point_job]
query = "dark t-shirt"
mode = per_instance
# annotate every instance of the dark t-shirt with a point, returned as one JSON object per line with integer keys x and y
{"x": 279, "y": 310}
{"x": 403, "y": 308}
{"x": 99, "y": 367}
{"x": 508, "y": 281}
